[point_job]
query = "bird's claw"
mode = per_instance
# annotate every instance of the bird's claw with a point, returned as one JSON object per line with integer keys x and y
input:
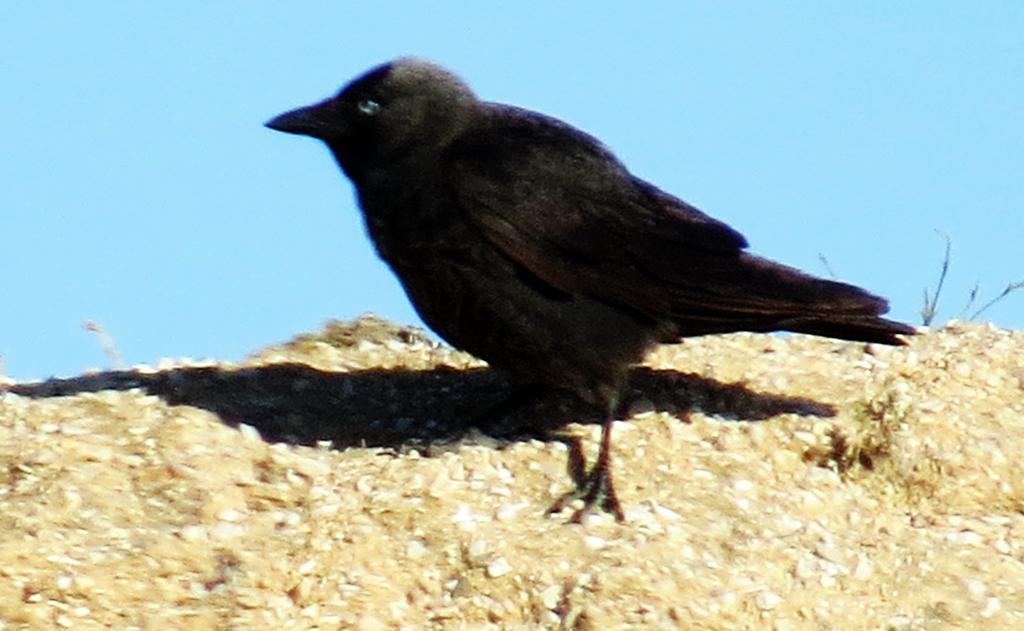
{"x": 597, "y": 492}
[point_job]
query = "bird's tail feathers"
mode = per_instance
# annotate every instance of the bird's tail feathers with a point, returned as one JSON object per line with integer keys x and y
{"x": 862, "y": 328}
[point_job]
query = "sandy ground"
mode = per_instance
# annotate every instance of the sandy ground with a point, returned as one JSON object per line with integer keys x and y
{"x": 335, "y": 482}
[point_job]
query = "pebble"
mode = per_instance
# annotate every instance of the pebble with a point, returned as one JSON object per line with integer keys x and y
{"x": 766, "y": 601}
{"x": 498, "y": 567}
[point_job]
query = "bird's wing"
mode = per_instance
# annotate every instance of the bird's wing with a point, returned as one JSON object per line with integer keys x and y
{"x": 561, "y": 205}
{"x": 557, "y": 202}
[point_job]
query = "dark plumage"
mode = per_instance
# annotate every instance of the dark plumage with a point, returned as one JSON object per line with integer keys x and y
{"x": 527, "y": 243}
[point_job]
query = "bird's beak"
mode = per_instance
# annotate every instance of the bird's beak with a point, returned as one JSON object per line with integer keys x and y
{"x": 321, "y": 120}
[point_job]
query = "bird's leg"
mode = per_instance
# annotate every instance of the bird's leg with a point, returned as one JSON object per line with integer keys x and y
{"x": 597, "y": 489}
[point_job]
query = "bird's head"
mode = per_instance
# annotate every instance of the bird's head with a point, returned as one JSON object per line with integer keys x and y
{"x": 391, "y": 112}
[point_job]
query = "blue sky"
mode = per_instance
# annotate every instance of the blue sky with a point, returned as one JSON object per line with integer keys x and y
{"x": 138, "y": 187}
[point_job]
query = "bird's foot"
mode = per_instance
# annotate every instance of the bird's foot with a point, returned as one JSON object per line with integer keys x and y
{"x": 597, "y": 492}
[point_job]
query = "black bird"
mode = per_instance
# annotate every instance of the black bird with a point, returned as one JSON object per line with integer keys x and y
{"x": 525, "y": 242}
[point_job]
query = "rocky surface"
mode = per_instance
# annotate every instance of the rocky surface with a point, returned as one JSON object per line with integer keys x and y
{"x": 336, "y": 481}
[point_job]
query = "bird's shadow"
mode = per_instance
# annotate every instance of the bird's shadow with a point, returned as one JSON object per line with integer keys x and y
{"x": 299, "y": 404}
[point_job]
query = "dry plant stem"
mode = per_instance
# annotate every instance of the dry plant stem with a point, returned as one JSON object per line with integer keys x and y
{"x": 931, "y": 302}
{"x": 106, "y": 342}
{"x": 1006, "y": 292}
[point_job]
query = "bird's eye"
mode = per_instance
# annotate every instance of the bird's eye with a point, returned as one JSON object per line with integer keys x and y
{"x": 368, "y": 107}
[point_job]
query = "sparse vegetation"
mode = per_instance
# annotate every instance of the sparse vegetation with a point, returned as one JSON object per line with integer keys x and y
{"x": 866, "y": 450}
{"x": 865, "y": 445}
{"x": 931, "y": 300}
